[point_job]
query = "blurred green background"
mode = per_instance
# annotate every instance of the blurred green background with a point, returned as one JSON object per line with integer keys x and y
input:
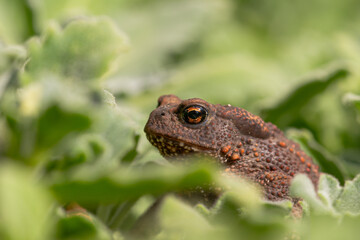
{"x": 294, "y": 63}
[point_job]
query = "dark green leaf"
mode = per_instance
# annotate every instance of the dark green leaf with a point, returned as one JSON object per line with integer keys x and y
{"x": 288, "y": 110}
{"x": 129, "y": 184}
{"x": 75, "y": 227}
{"x": 55, "y": 123}
{"x": 327, "y": 162}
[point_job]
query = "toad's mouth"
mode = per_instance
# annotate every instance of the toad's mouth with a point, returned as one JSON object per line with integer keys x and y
{"x": 171, "y": 147}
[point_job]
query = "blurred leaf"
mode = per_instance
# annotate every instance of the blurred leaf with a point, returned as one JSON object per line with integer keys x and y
{"x": 353, "y": 99}
{"x": 249, "y": 223}
{"x": 11, "y": 58}
{"x": 49, "y": 134}
{"x": 244, "y": 194}
{"x": 242, "y": 212}
{"x": 75, "y": 227}
{"x": 302, "y": 186}
{"x": 79, "y": 227}
{"x": 119, "y": 126}
{"x": 75, "y": 52}
{"x": 156, "y": 45}
{"x": 329, "y": 190}
{"x": 329, "y": 228}
{"x": 246, "y": 53}
{"x": 147, "y": 225}
{"x": 25, "y": 206}
{"x": 128, "y": 184}
{"x": 210, "y": 78}
{"x": 109, "y": 99}
{"x": 348, "y": 201}
{"x": 39, "y": 123}
{"x": 178, "y": 220}
{"x": 85, "y": 148}
{"x": 327, "y": 162}
{"x": 333, "y": 199}
{"x": 132, "y": 153}
{"x": 287, "y": 111}
{"x": 16, "y": 21}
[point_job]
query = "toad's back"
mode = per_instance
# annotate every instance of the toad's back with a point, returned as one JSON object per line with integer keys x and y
{"x": 242, "y": 142}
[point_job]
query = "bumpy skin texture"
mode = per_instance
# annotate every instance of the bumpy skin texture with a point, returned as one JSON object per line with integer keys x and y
{"x": 243, "y": 143}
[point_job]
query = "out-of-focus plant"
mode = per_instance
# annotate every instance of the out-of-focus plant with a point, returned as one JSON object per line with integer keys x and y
{"x": 65, "y": 139}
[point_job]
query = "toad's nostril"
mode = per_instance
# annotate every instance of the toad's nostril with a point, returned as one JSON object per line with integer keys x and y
{"x": 162, "y": 114}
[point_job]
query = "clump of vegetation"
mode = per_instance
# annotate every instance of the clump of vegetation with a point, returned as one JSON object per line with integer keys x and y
{"x": 78, "y": 80}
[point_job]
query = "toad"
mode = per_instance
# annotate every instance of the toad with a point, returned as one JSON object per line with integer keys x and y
{"x": 240, "y": 141}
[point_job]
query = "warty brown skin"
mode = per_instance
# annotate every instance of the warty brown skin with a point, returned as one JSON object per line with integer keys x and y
{"x": 242, "y": 142}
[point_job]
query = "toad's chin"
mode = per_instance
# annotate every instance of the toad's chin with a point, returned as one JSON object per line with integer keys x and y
{"x": 173, "y": 148}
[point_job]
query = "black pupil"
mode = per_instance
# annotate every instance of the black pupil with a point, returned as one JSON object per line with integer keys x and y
{"x": 194, "y": 114}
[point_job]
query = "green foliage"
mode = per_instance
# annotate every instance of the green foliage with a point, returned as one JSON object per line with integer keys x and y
{"x": 330, "y": 198}
{"x": 63, "y": 138}
{"x": 288, "y": 110}
{"x": 126, "y": 184}
{"x": 64, "y": 53}
{"x": 24, "y": 204}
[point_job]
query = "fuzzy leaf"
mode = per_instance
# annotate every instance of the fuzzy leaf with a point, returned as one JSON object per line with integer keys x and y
{"x": 353, "y": 99}
{"x": 25, "y": 205}
{"x": 302, "y": 186}
{"x": 287, "y": 110}
{"x": 84, "y": 51}
{"x": 329, "y": 189}
{"x": 79, "y": 227}
{"x": 328, "y": 163}
{"x": 16, "y": 23}
{"x": 179, "y": 220}
{"x": 127, "y": 184}
{"x": 348, "y": 202}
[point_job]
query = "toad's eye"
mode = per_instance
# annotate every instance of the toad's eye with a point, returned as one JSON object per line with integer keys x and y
{"x": 194, "y": 114}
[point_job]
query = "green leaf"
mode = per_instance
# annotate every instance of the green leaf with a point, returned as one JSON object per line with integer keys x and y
{"x": 16, "y": 21}
{"x": 25, "y": 205}
{"x": 155, "y": 45}
{"x": 264, "y": 222}
{"x": 242, "y": 193}
{"x": 62, "y": 123}
{"x": 302, "y": 187}
{"x": 287, "y": 111}
{"x": 78, "y": 227}
{"x": 331, "y": 198}
{"x": 75, "y": 227}
{"x": 242, "y": 211}
{"x": 11, "y": 58}
{"x": 354, "y": 100}
{"x": 86, "y": 148}
{"x": 329, "y": 189}
{"x": 31, "y": 137}
{"x": 126, "y": 184}
{"x": 85, "y": 51}
{"x": 348, "y": 202}
{"x": 329, "y": 228}
{"x": 328, "y": 163}
{"x": 119, "y": 127}
{"x": 178, "y": 220}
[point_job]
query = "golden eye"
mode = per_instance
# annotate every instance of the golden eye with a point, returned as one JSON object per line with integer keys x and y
{"x": 194, "y": 114}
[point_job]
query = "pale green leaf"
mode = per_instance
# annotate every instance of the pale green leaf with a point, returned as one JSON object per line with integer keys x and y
{"x": 302, "y": 187}
{"x": 84, "y": 50}
{"x": 329, "y": 189}
{"x": 348, "y": 202}
{"x": 180, "y": 221}
{"x": 25, "y": 205}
